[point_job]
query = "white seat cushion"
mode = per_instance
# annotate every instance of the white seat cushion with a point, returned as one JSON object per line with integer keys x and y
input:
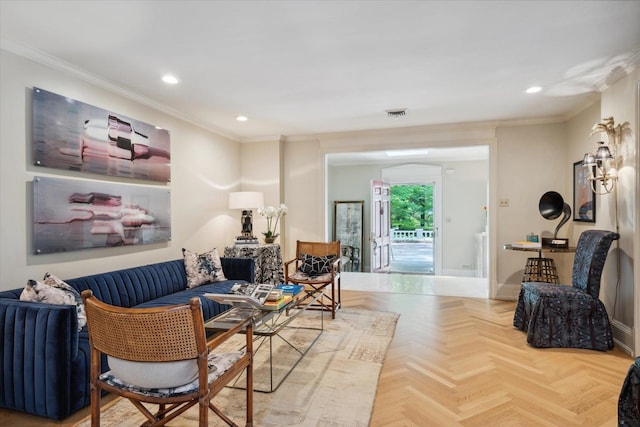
{"x": 218, "y": 364}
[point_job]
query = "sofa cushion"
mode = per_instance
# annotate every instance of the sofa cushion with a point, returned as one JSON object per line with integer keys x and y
{"x": 132, "y": 286}
{"x": 210, "y": 307}
{"x": 202, "y": 268}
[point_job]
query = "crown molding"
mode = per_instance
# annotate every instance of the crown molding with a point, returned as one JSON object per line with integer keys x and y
{"x": 267, "y": 138}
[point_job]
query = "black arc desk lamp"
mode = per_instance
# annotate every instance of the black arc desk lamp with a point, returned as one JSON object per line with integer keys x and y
{"x": 551, "y": 205}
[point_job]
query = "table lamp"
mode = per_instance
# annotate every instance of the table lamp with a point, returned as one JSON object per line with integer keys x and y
{"x": 246, "y": 200}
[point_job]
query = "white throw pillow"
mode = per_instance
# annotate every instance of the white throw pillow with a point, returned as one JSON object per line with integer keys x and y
{"x": 154, "y": 374}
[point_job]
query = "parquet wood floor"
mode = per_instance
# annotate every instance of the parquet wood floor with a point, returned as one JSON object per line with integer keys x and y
{"x": 459, "y": 362}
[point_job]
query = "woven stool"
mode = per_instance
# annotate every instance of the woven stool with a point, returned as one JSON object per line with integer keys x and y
{"x": 540, "y": 270}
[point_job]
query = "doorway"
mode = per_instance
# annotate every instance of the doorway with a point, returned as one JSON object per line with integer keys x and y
{"x": 412, "y": 229}
{"x": 416, "y": 251}
{"x": 461, "y": 172}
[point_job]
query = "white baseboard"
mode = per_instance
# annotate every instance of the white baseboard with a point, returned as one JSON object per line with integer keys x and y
{"x": 459, "y": 273}
{"x": 622, "y": 336}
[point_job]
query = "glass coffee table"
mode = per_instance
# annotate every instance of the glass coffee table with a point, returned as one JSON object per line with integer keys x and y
{"x": 281, "y": 339}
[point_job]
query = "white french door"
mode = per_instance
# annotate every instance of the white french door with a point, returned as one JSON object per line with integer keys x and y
{"x": 380, "y": 235}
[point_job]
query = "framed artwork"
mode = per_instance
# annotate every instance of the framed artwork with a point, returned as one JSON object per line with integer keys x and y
{"x": 584, "y": 200}
{"x": 71, "y": 214}
{"x": 71, "y": 135}
{"x": 348, "y": 220}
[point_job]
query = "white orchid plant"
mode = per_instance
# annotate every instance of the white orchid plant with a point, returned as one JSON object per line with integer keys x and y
{"x": 271, "y": 213}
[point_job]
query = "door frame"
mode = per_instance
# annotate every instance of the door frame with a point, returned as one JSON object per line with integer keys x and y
{"x": 458, "y": 136}
{"x": 419, "y": 174}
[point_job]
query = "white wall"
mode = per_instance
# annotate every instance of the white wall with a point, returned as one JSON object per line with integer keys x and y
{"x": 579, "y": 142}
{"x": 353, "y": 183}
{"x": 617, "y": 290}
{"x": 205, "y": 167}
{"x": 464, "y": 195}
{"x": 531, "y": 161}
{"x": 617, "y": 287}
{"x": 261, "y": 171}
{"x": 304, "y": 194}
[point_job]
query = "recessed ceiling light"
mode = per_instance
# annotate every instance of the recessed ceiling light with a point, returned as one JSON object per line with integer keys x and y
{"x": 534, "y": 89}
{"x": 242, "y": 118}
{"x": 169, "y": 79}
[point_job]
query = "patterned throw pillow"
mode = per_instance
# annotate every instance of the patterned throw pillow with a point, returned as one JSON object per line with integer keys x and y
{"x": 51, "y": 280}
{"x": 54, "y": 291}
{"x": 315, "y": 265}
{"x": 202, "y": 268}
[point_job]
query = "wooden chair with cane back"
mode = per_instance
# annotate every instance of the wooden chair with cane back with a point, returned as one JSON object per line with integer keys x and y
{"x": 318, "y": 266}
{"x": 161, "y": 356}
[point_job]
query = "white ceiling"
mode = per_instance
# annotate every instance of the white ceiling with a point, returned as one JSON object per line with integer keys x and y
{"x": 308, "y": 67}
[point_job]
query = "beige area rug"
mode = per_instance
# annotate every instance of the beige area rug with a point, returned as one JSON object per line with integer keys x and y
{"x": 333, "y": 385}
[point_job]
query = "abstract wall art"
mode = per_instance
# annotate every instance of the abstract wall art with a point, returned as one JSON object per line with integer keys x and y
{"x": 71, "y": 215}
{"x": 71, "y": 135}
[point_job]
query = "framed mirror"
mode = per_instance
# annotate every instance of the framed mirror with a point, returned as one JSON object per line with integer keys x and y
{"x": 348, "y": 218}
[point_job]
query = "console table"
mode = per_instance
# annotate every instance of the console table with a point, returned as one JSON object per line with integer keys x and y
{"x": 268, "y": 261}
{"x": 540, "y": 269}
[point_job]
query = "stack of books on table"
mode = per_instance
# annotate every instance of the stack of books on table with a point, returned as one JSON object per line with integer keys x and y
{"x": 246, "y": 242}
{"x": 296, "y": 291}
{"x": 281, "y": 302}
{"x": 525, "y": 245}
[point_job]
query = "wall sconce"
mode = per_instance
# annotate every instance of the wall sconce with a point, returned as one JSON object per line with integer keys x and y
{"x": 246, "y": 200}
{"x": 602, "y": 164}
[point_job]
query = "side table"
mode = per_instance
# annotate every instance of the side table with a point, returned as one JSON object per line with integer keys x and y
{"x": 540, "y": 269}
{"x": 268, "y": 261}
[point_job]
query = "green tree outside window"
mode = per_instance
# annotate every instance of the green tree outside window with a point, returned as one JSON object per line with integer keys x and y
{"x": 412, "y": 207}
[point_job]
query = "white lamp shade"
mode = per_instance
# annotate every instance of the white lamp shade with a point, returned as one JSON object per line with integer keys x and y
{"x": 603, "y": 153}
{"x": 588, "y": 160}
{"x": 246, "y": 200}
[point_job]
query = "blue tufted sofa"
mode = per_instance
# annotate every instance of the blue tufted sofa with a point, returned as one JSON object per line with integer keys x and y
{"x": 44, "y": 359}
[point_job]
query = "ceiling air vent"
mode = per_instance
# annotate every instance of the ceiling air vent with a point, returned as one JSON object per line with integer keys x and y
{"x": 396, "y": 113}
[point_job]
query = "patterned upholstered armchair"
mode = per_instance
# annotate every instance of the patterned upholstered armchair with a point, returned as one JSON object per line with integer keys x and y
{"x": 570, "y": 316}
{"x": 629, "y": 400}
